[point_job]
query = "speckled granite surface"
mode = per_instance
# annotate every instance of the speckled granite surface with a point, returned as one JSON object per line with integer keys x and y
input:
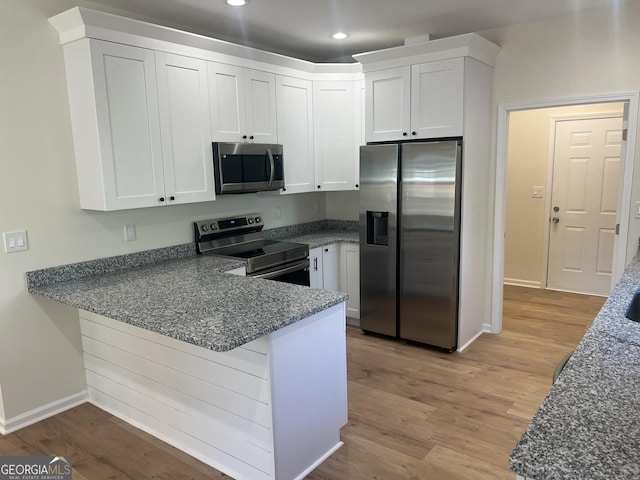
{"x": 177, "y": 293}
{"x": 189, "y": 299}
{"x": 314, "y": 233}
{"x": 588, "y": 427}
{"x": 102, "y": 266}
{"x": 327, "y": 237}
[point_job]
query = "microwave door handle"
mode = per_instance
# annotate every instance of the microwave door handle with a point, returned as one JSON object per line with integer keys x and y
{"x": 271, "y": 165}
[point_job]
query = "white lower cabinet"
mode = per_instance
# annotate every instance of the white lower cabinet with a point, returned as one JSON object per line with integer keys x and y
{"x": 324, "y": 269}
{"x": 330, "y": 268}
{"x": 240, "y": 271}
{"x": 316, "y": 279}
{"x": 350, "y": 277}
{"x": 336, "y": 267}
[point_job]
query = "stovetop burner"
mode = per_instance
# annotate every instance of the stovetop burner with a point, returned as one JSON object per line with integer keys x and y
{"x": 242, "y": 237}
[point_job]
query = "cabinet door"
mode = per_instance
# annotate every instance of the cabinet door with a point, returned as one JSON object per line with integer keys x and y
{"x": 315, "y": 268}
{"x": 227, "y": 102}
{"x": 260, "y": 95}
{"x": 126, "y": 155}
{"x": 437, "y": 98}
{"x": 334, "y": 132}
{"x": 350, "y": 277}
{"x": 186, "y": 129}
{"x": 360, "y": 135}
{"x": 295, "y": 132}
{"x": 330, "y": 270}
{"x": 388, "y": 104}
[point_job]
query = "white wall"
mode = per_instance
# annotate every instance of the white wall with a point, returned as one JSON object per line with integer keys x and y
{"x": 343, "y": 205}
{"x": 566, "y": 57}
{"x": 528, "y": 162}
{"x": 40, "y": 348}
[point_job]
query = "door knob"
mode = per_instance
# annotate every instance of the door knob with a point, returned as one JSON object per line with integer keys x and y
{"x": 556, "y": 209}
{"x": 555, "y": 220}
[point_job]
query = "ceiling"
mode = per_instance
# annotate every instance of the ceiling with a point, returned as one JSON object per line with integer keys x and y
{"x": 302, "y": 28}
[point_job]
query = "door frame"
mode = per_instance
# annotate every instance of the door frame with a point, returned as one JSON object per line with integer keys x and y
{"x": 501, "y": 183}
{"x": 553, "y": 122}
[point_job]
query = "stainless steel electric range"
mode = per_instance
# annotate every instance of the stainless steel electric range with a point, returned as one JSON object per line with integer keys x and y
{"x": 242, "y": 237}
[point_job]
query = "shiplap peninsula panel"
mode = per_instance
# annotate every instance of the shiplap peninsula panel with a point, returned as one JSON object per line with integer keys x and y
{"x": 246, "y": 412}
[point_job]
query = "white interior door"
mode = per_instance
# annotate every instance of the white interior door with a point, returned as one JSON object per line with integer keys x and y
{"x": 584, "y": 200}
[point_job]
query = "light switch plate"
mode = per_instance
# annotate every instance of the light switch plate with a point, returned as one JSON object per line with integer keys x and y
{"x": 537, "y": 192}
{"x": 15, "y": 241}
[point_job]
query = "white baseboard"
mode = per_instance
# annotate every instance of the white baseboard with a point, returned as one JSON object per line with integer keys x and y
{"x": 41, "y": 413}
{"x": 466, "y": 345}
{"x": 522, "y": 283}
{"x": 317, "y": 463}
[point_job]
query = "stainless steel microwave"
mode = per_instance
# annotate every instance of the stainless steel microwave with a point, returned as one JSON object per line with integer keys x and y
{"x": 247, "y": 167}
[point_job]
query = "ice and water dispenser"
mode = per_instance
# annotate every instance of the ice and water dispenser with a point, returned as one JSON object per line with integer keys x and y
{"x": 378, "y": 228}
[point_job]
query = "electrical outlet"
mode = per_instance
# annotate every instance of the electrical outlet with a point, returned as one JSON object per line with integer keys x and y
{"x": 15, "y": 241}
{"x": 130, "y": 232}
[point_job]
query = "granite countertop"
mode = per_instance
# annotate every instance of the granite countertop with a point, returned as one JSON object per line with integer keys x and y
{"x": 323, "y": 238}
{"x": 187, "y": 298}
{"x": 588, "y": 427}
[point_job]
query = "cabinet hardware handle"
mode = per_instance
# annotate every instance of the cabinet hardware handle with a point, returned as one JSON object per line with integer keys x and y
{"x": 315, "y": 264}
{"x": 413, "y": 133}
{"x": 404, "y": 134}
{"x": 162, "y": 199}
{"x": 326, "y": 249}
{"x": 244, "y": 137}
{"x": 357, "y": 185}
{"x": 172, "y": 197}
{"x": 251, "y": 137}
{"x": 318, "y": 186}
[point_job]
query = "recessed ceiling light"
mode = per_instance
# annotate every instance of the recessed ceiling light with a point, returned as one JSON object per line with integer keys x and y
{"x": 340, "y": 35}
{"x": 237, "y": 3}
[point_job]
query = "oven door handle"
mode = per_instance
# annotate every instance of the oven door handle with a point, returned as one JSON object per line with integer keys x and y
{"x": 271, "y": 165}
{"x": 283, "y": 271}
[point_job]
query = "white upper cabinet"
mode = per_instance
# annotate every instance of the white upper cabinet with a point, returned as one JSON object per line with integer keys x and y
{"x": 334, "y": 135}
{"x": 130, "y": 113}
{"x": 185, "y": 127}
{"x": 294, "y": 100}
{"x": 388, "y": 100}
{"x": 242, "y": 104}
{"x": 437, "y": 99}
{"x": 417, "y": 101}
{"x": 360, "y": 133}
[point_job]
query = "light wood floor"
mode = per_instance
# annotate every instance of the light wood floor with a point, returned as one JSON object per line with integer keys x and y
{"x": 414, "y": 413}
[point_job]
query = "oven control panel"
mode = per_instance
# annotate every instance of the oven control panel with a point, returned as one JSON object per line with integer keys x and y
{"x": 252, "y": 221}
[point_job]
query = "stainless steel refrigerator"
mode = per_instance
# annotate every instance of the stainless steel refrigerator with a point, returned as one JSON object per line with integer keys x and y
{"x": 409, "y": 240}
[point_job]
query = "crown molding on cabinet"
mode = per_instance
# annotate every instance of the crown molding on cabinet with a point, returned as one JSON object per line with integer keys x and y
{"x": 467, "y": 45}
{"x": 80, "y": 22}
